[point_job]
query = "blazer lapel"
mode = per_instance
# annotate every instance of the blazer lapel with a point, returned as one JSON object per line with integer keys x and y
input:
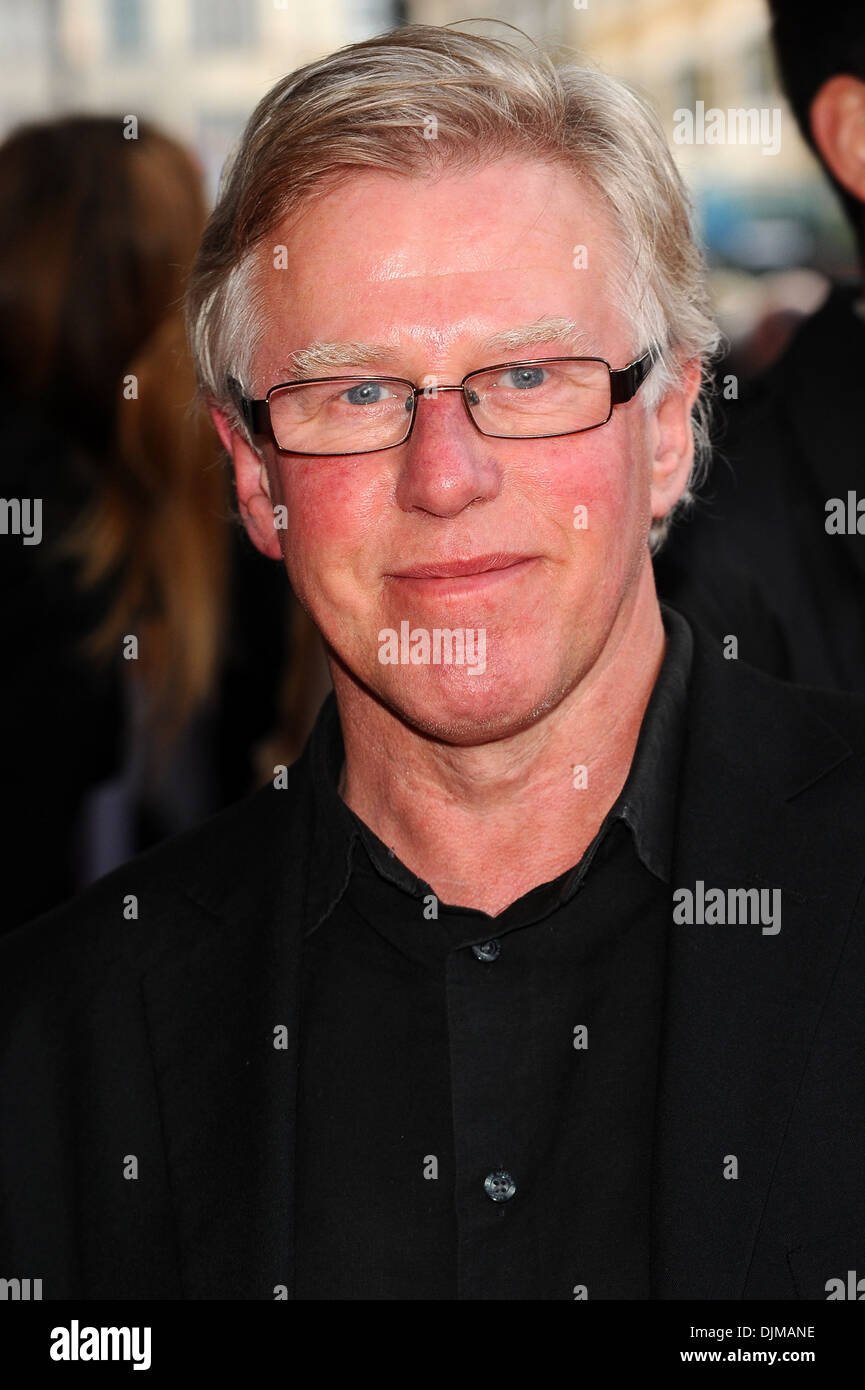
{"x": 223, "y": 1016}
{"x": 741, "y": 1005}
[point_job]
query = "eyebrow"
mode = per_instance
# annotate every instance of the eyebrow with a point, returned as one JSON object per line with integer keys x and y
{"x": 321, "y": 358}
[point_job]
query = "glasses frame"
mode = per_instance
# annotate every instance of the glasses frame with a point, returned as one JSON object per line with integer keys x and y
{"x": 625, "y": 382}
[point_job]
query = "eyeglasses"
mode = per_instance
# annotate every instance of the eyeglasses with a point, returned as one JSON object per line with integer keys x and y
{"x": 337, "y": 416}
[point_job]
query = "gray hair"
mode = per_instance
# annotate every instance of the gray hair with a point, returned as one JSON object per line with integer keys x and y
{"x": 367, "y": 106}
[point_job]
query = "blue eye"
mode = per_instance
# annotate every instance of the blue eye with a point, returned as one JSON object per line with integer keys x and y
{"x": 524, "y": 378}
{"x": 366, "y": 393}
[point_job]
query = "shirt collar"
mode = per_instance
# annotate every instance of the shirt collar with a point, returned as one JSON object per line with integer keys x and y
{"x": 647, "y": 802}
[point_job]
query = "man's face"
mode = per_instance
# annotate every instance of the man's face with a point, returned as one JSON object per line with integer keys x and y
{"x": 433, "y": 269}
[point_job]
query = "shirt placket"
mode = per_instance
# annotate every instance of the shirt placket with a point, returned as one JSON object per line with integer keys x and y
{"x": 488, "y": 1024}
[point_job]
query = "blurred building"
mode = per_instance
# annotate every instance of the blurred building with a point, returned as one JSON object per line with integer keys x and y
{"x": 197, "y": 67}
{"x": 764, "y": 202}
{"x": 773, "y": 229}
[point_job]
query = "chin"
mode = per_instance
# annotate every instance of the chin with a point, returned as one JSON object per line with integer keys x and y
{"x": 471, "y": 709}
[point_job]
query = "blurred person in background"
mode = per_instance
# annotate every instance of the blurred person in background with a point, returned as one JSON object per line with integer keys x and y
{"x": 774, "y": 554}
{"x": 108, "y": 747}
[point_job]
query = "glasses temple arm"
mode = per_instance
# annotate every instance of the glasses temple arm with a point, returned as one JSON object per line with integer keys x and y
{"x": 254, "y": 414}
{"x": 626, "y": 382}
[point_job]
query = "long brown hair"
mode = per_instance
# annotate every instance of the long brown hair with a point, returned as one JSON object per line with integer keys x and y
{"x": 97, "y": 233}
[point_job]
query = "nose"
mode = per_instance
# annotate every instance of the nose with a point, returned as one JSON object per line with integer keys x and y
{"x": 447, "y": 464}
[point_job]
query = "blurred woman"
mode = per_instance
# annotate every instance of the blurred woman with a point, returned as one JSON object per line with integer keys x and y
{"x": 111, "y": 626}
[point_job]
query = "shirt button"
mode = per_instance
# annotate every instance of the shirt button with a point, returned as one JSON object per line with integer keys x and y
{"x": 500, "y": 1186}
{"x": 488, "y": 950}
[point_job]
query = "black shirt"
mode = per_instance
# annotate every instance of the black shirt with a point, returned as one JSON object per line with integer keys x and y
{"x": 476, "y": 1093}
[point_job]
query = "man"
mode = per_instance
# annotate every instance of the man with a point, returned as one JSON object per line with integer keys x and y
{"x": 534, "y": 977}
{"x": 775, "y": 554}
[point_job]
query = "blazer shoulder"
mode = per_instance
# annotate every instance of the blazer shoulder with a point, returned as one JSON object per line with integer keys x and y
{"x": 843, "y": 710}
{"x": 161, "y": 899}
{"x": 795, "y": 733}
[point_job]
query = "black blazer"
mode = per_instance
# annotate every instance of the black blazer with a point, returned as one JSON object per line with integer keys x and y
{"x": 152, "y": 1038}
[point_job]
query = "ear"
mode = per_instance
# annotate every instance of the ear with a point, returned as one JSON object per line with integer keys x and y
{"x": 253, "y": 486}
{"x": 673, "y": 441}
{"x": 838, "y": 126}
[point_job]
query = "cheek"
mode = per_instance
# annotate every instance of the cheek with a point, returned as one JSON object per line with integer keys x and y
{"x": 333, "y": 507}
{"x": 593, "y": 486}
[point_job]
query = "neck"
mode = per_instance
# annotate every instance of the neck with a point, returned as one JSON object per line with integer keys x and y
{"x": 483, "y": 825}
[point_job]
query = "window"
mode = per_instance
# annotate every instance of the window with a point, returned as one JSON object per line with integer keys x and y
{"x": 363, "y": 18}
{"x": 222, "y": 24}
{"x": 24, "y": 31}
{"x": 126, "y": 25}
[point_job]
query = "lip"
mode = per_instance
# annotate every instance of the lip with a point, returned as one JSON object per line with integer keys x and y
{"x": 459, "y": 569}
{"x": 460, "y": 578}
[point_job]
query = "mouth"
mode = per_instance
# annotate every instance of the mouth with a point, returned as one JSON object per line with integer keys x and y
{"x": 474, "y": 572}
{"x": 454, "y": 569}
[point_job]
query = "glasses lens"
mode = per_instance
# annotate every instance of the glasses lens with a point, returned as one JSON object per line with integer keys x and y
{"x": 540, "y": 398}
{"x": 345, "y": 415}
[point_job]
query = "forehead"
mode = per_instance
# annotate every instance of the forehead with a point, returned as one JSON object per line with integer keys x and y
{"x": 431, "y": 263}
